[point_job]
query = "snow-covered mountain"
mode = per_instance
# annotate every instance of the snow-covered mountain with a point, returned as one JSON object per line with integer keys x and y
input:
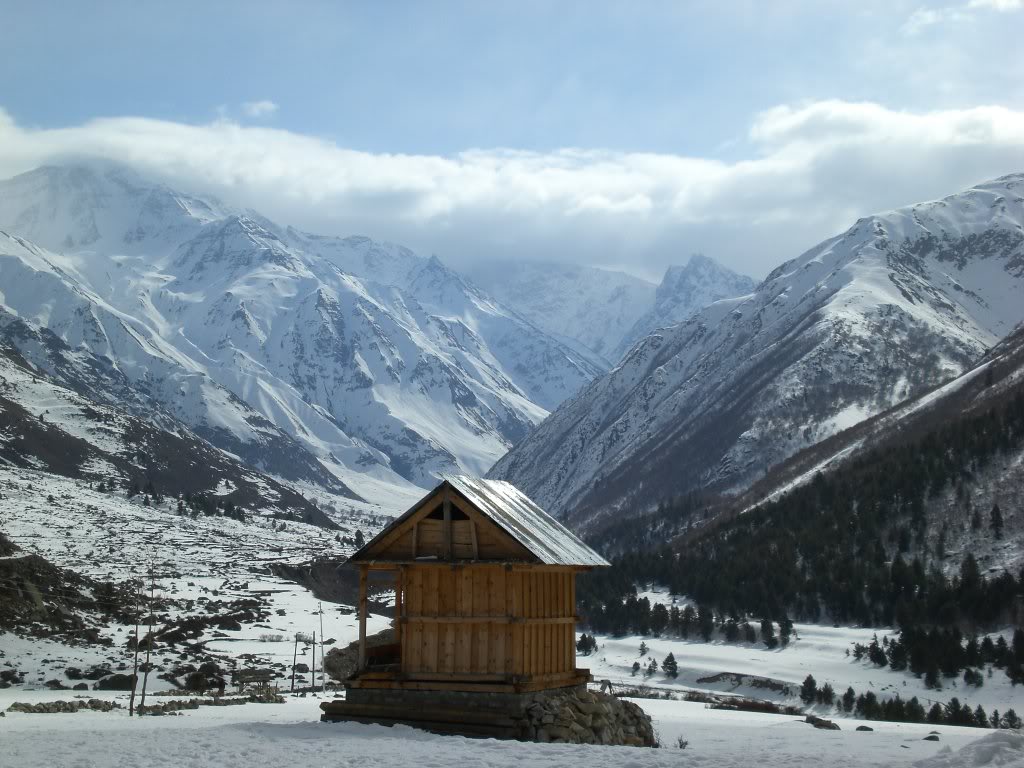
{"x": 346, "y": 364}
{"x": 682, "y": 293}
{"x": 898, "y": 303}
{"x": 592, "y": 307}
{"x": 45, "y": 425}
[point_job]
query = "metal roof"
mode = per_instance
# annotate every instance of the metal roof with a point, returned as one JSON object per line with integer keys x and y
{"x": 520, "y": 517}
{"x": 516, "y": 514}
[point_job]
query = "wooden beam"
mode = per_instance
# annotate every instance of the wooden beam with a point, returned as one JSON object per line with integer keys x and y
{"x": 399, "y": 585}
{"x": 446, "y": 505}
{"x": 362, "y": 618}
{"x": 415, "y": 537}
{"x": 472, "y": 534}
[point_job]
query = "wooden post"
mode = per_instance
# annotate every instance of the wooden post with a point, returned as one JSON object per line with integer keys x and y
{"x": 472, "y": 534}
{"x": 149, "y": 646}
{"x": 135, "y": 666}
{"x": 295, "y": 658}
{"x": 362, "y": 618}
{"x": 323, "y": 671}
{"x": 312, "y": 671}
{"x": 415, "y": 536}
{"x": 399, "y": 584}
{"x": 447, "y": 506}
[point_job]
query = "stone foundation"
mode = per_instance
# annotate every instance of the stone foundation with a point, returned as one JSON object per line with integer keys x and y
{"x": 564, "y": 715}
{"x": 586, "y": 717}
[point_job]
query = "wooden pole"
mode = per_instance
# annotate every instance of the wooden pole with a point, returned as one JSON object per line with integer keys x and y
{"x": 399, "y": 585}
{"x": 323, "y": 673}
{"x": 295, "y": 659}
{"x": 447, "y": 506}
{"x": 362, "y": 618}
{"x": 149, "y": 646}
{"x": 135, "y": 666}
{"x": 312, "y": 671}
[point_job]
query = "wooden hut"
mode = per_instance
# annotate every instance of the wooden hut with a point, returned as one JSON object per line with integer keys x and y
{"x": 484, "y": 583}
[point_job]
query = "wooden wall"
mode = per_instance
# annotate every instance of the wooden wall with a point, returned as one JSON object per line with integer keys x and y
{"x": 484, "y": 621}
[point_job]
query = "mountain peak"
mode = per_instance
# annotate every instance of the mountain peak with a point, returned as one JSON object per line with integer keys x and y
{"x": 90, "y": 203}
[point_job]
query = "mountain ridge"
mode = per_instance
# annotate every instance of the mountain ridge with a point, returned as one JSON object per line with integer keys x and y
{"x": 856, "y": 324}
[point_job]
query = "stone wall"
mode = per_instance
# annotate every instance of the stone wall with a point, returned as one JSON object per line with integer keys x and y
{"x": 579, "y": 716}
{"x": 563, "y": 715}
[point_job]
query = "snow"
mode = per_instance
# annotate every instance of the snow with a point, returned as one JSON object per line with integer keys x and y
{"x": 592, "y": 307}
{"x": 289, "y": 734}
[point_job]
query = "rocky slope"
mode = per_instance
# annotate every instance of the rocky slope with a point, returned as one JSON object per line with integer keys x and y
{"x": 898, "y": 303}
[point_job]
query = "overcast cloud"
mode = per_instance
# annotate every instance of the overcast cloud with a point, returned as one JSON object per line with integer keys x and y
{"x": 813, "y": 169}
{"x": 606, "y": 133}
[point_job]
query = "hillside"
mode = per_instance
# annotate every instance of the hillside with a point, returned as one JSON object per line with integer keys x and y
{"x": 900, "y": 302}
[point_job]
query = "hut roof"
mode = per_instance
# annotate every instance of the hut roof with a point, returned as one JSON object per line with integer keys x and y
{"x": 550, "y": 542}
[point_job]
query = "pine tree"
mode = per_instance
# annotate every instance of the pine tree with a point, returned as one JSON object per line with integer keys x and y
{"x": 651, "y": 668}
{"x": 636, "y": 667}
{"x": 848, "y": 699}
{"x": 808, "y": 690}
{"x": 980, "y": 718}
{"x": 768, "y": 633}
{"x": 826, "y": 695}
{"x": 643, "y": 648}
{"x": 876, "y": 654}
{"x": 669, "y": 666}
{"x": 687, "y": 621}
{"x": 705, "y": 622}
{"x": 996, "y": 518}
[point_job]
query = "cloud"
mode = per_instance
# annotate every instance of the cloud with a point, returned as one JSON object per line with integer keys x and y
{"x": 259, "y": 109}
{"x": 997, "y": 5}
{"x": 922, "y": 18}
{"x": 807, "y": 172}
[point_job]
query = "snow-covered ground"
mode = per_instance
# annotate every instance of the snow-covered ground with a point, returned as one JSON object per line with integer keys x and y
{"x": 217, "y": 559}
{"x": 197, "y": 562}
{"x": 289, "y": 734}
{"x": 815, "y": 650}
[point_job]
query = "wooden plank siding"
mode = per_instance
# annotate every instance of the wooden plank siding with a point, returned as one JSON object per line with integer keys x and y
{"x": 487, "y": 620}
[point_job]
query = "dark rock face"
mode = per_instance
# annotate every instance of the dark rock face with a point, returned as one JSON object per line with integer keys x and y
{"x": 116, "y": 682}
{"x": 820, "y": 722}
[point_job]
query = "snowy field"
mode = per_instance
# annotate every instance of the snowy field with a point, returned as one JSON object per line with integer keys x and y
{"x": 815, "y": 650}
{"x": 289, "y": 734}
{"x": 216, "y": 559}
{"x": 199, "y": 563}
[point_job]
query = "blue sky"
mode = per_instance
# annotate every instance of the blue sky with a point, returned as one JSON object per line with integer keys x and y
{"x": 625, "y": 134}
